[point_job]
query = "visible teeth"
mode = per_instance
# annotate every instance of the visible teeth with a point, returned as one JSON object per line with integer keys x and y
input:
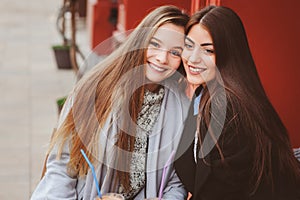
{"x": 156, "y": 68}
{"x": 196, "y": 69}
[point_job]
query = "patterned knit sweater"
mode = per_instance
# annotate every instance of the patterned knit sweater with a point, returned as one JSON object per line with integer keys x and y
{"x": 146, "y": 120}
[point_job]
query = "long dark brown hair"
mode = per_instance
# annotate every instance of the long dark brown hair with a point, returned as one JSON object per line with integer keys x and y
{"x": 100, "y": 92}
{"x": 247, "y": 103}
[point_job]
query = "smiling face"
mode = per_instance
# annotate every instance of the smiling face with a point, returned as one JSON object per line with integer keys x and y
{"x": 198, "y": 56}
{"x": 164, "y": 52}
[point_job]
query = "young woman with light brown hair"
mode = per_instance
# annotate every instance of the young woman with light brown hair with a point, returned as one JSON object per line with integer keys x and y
{"x": 126, "y": 114}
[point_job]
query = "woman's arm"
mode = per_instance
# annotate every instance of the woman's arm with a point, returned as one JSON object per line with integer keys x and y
{"x": 56, "y": 183}
{"x": 174, "y": 189}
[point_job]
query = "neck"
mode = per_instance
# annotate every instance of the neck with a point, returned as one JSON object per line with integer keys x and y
{"x": 190, "y": 90}
{"x": 153, "y": 87}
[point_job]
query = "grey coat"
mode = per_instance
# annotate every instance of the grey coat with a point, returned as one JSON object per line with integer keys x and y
{"x": 57, "y": 184}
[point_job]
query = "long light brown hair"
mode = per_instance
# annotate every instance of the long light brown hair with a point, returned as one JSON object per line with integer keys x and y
{"x": 99, "y": 92}
{"x": 247, "y": 103}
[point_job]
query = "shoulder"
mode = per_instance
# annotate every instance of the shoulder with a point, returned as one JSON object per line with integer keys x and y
{"x": 221, "y": 103}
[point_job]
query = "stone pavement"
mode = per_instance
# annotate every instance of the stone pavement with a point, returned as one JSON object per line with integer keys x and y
{"x": 30, "y": 83}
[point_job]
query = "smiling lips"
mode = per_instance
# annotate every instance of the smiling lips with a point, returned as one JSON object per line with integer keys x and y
{"x": 193, "y": 69}
{"x": 196, "y": 70}
{"x": 155, "y": 67}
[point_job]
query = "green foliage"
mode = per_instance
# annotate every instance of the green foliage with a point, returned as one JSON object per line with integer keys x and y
{"x": 61, "y": 47}
{"x": 61, "y": 101}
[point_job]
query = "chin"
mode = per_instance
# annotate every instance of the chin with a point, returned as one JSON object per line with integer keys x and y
{"x": 156, "y": 81}
{"x": 195, "y": 81}
{"x": 153, "y": 80}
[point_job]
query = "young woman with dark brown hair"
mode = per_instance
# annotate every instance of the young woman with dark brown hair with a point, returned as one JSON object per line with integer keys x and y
{"x": 234, "y": 145}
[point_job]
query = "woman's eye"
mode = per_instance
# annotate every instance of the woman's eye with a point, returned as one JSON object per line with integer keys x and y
{"x": 175, "y": 53}
{"x": 188, "y": 46}
{"x": 154, "y": 44}
{"x": 209, "y": 51}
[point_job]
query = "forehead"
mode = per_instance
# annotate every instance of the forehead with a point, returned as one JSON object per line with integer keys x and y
{"x": 199, "y": 34}
{"x": 170, "y": 34}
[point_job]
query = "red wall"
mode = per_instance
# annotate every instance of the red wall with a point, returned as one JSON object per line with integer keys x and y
{"x": 135, "y": 10}
{"x": 273, "y": 30}
{"x": 100, "y": 29}
{"x": 131, "y": 12}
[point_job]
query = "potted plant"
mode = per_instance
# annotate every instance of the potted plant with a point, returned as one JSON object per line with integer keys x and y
{"x": 66, "y": 53}
{"x": 60, "y": 103}
{"x": 62, "y": 51}
{"x": 62, "y": 56}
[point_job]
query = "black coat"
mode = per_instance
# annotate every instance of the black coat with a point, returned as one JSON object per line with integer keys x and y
{"x": 211, "y": 179}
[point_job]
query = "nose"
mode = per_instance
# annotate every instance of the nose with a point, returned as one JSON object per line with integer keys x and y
{"x": 162, "y": 56}
{"x": 195, "y": 56}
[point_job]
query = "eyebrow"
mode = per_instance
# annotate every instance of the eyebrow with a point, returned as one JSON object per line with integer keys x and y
{"x": 205, "y": 44}
{"x": 189, "y": 39}
{"x": 162, "y": 43}
{"x": 202, "y": 45}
